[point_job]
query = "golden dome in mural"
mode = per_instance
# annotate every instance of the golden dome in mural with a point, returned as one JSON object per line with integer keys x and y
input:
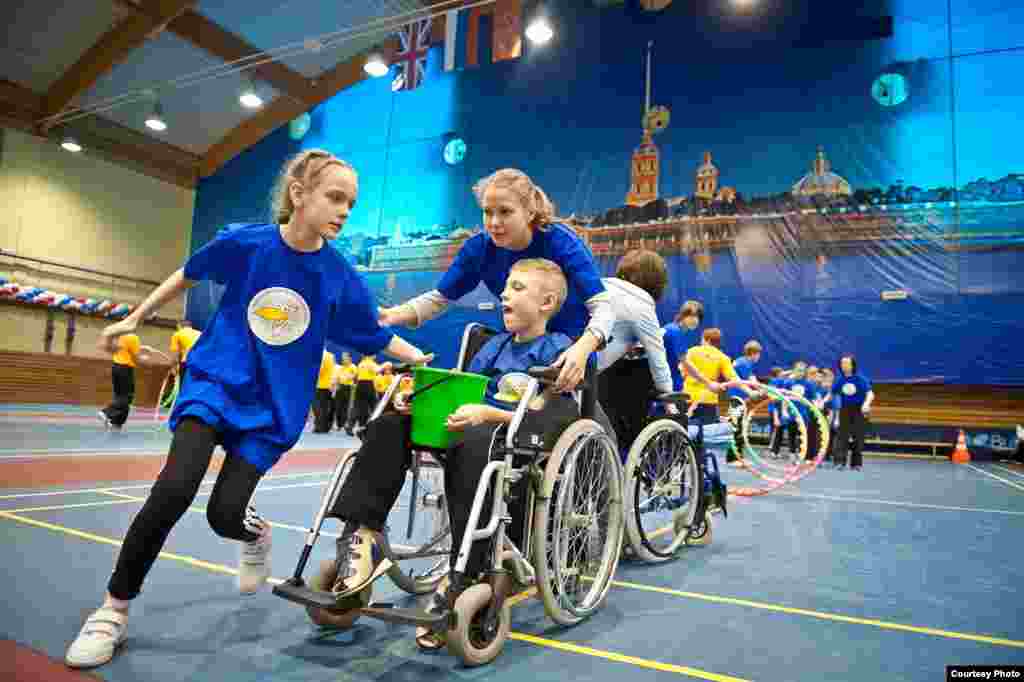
{"x": 821, "y": 181}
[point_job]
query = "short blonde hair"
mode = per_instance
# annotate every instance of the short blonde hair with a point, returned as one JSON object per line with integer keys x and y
{"x": 553, "y": 276}
{"x": 304, "y": 167}
{"x": 532, "y": 197}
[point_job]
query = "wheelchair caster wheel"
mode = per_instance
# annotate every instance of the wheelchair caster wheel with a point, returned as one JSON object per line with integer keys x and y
{"x": 343, "y": 618}
{"x": 701, "y": 534}
{"x": 474, "y": 640}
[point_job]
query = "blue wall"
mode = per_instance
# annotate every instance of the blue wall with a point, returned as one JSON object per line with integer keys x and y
{"x": 760, "y": 92}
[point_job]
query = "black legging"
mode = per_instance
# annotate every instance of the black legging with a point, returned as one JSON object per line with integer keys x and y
{"x": 323, "y": 410}
{"x": 123, "y": 380}
{"x": 852, "y": 422}
{"x": 363, "y": 403}
{"x": 172, "y": 494}
{"x": 342, "y": 397}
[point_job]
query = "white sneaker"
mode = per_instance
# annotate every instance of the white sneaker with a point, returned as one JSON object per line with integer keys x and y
{"x": 254, "y": 558}
{"x": 102, "y": 416}
{"x": 99, "y": 638}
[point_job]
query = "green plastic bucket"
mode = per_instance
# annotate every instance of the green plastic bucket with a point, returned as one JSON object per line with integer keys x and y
{"x": 438, "y": 393}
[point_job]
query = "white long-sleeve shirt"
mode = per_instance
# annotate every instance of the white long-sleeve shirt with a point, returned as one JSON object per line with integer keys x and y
{"x": 636, "y": 321}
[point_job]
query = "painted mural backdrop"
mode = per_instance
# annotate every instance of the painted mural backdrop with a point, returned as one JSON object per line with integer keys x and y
{"x": 824, "y": 180}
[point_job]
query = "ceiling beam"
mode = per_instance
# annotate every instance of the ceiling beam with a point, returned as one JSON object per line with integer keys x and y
{"x": 214, "y": 39}
{"x": 111, "y": 49}
{"x": 284, "y": 109}
{"x": 20, "y": 108}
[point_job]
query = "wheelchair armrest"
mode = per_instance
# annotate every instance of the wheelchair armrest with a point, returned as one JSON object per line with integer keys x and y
{"x": 676, "y": 397}
{"x": 546, "y": 375}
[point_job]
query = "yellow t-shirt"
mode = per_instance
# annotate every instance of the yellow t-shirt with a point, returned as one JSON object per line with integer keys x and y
{"x": 346, "y": 374}
{"x": 382, "y": 381}
{"x": 714, "y": 365}
{"x": 326, "y": 371}
{"x": 127, "y": 348}
{"x": 367, "y": 369}
{"x": 183, "y": 340}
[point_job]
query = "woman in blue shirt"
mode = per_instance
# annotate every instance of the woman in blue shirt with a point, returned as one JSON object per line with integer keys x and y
{"x": 855, "y": 398}
{"x": 681, "y": 335}
{"x": 519, "y": 223}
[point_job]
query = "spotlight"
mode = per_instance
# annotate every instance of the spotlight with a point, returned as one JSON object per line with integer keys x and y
{"x": 70, "y": 145}
{"x": 155, "y": 121}
{"x": 539, "y": 31}
{"x": 375, "y": 66}
{"x": 249, "y": 98}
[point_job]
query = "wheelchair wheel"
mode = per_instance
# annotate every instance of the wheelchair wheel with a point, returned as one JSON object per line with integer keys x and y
{"x": 577, "y": 533}
{"x": 341, "y": 619}
{"x": 473, "y": 640}
{"x": 662, "y": 491}
{"x": 700, "y": 534}
{"x": 430, "y": 532}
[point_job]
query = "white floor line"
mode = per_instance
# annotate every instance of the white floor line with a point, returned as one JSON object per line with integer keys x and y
{"x": 208, "y": 481}
{"x": 897, "y": 503}
{"x": 998, "y": 478}
{"x": 1008, "y": 470}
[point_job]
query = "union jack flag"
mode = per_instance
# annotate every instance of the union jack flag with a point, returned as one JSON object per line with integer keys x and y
{"x": 412, "y": 58}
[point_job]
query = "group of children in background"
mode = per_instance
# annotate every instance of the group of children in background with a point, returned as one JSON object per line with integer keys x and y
{"x": 346, "y": 392}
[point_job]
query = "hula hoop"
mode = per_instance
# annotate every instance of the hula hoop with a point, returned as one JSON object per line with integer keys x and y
{"x": 165, "y": 403}
{"x": 775, "y": 475}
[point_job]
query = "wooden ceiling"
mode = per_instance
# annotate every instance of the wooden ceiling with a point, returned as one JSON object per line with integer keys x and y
{"x": 72, "y": 72}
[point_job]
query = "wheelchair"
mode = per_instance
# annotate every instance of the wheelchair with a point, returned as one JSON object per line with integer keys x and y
{"x": 572, "y": 533}
{"x": 672, "y": 482}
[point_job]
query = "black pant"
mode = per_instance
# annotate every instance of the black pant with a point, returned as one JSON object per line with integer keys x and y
{"x": 378, "y": 474}
{"x": 790, "y": 430}
{"x": 362, "y": 405}
{"x": 323, "y": 410}
{"x": 813, "y": 438}
{"x": 123, "y": 379}
{"x": 342, "y": 398}
{"x": 852, "y": 423}
{"x": 624, "y": 389}
{"x": 173, "y": 493}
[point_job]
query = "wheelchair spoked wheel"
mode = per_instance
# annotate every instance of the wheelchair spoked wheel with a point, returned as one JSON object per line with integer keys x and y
{"x": 476, "y": 639}
{"x": 428, "y": 533}
{"x": 662, "y": 491}
{"x": 165, "y": 400}
{"x": 578, "y": 525}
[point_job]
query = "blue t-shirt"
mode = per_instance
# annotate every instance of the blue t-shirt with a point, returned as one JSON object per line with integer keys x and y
{"x": 810, "y": 391}
{"x": 479, "y": 260}
{"x": 677, "y": 341}
{"x": 258, "y": 359}
{"x": 779, "y": 407}
{"x": 503, "y": 355}
{"x": 744, "y": 367}
{"x": 852, "y": 390}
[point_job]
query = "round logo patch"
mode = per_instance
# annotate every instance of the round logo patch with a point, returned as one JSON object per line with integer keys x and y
{"x": 511, "y": 387}
{"x": 278, "y": 316}
{"x": 849, "y": 389}
{"x": 799, "y": 390}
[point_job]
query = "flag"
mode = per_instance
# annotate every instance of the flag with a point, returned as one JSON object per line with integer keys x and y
{"x": 461, "y": 39}
{"x": 507, "y": 36}
{"x": 412, "y": 57}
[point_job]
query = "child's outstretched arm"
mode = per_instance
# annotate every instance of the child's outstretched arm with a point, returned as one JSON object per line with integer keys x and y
{"x": 172, "y": 286}
{"x": 475, "y": 415}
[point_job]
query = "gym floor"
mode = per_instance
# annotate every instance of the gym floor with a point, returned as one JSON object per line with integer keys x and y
{"x": 890, "y": 573}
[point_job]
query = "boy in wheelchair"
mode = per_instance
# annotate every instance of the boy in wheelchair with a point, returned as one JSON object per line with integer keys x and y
{"x": 534, "y": 292}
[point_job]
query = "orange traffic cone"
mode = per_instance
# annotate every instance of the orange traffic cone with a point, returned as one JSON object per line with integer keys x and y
{"x": 960, "y": 454}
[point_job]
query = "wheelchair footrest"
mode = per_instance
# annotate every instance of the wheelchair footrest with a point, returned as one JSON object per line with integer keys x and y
{"x": 301, "y": 594}
{"x": 392, "y": 614}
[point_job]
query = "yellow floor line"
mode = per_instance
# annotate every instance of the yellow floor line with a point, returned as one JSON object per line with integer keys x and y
{"x": 60, "y": 507}
{"x": 1009, "y": 470}
{"x": 538, "y": 641}
{"x": 998, "y": 478}
{"x": 181, "y": 558}
{"x": 886, "y": 625}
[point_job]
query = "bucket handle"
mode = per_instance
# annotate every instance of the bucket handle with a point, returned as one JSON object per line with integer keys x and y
{"x": 430, "y": 386}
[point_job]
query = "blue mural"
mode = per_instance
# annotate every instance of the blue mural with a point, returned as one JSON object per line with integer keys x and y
{"x": 791, "y": 187}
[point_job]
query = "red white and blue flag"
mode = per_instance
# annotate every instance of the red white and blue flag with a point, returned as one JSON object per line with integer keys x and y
{"x": 412, "y": 57}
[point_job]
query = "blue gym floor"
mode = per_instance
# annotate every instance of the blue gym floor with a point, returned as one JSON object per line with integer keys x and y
{"x": 890, "y": 573}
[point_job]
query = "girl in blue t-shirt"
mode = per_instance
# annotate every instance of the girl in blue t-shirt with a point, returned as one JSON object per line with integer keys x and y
{"x": 520, "y": 223}
{"x": 681, "y": 335}
{"x": 855, "y": 398}
{"x": 251, "y": 375}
